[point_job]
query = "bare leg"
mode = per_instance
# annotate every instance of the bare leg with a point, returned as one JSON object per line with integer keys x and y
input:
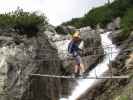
{"x": 82, "y": 69}
{"x": 79, "y": 68}
{"x": 76, "y": 68}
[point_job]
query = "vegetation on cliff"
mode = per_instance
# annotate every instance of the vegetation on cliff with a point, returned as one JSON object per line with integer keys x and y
{"x": 23, "y": 22}
{"x": 105, "y": 14}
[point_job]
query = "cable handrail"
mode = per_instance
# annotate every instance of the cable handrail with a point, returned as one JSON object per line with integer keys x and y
{"x": 80, "y": 77}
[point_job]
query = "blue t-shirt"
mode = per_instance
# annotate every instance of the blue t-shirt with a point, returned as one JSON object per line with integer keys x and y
{"x": 73, "y": 48}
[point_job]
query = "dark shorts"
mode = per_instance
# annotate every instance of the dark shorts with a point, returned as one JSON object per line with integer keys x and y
{"x": 78, "y": 59}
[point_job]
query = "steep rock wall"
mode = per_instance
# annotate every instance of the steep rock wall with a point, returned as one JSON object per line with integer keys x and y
{"x": 21, "y": 56}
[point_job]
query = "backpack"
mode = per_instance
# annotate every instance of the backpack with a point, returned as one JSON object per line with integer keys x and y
{"x": 70, "y": 47}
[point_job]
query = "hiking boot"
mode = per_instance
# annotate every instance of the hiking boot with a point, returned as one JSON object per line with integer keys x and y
{"x": 83, "y": 75}
{"x": 76, "y": 74}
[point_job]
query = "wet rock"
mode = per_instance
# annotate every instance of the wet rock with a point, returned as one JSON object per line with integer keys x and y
{"x": 116, "y": 36}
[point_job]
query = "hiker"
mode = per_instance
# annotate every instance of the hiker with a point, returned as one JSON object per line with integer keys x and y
{"x": 73, "y": 48}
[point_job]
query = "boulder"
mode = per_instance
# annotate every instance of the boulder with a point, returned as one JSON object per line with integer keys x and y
{"x": 115, "y": 36}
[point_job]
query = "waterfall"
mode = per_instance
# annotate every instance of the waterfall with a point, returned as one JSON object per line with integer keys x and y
{"x": 84, "y": 84}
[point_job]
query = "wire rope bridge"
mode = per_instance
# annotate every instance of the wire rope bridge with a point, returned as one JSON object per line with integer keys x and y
{"x": 87, "y": 76}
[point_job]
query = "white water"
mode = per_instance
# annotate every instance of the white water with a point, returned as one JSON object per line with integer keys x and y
{"x": 85, "y": 84}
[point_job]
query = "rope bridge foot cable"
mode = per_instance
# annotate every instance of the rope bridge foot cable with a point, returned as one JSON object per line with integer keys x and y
{"x": 80, "y": 77}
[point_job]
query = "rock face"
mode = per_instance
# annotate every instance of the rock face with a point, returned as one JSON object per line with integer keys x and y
{"x": 116, "y": 35}
{"x": 19, "y": 57}
{"x": 60, "y": 42}
{"x": 92, "y": 47}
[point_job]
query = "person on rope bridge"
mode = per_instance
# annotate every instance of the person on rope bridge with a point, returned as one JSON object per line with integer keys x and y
{"x": 74, "y": 50}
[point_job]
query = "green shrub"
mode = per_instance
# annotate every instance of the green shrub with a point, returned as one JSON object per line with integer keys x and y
{"x": 102, "y": 15}
{"x": 5, "y": 21}
{"x": 23, "y": 22}
{"x": 76, "y": 22}
{"x": 119, "y": 7}
{"x": 98, "y": 15}
{"x": 127, "y": 21}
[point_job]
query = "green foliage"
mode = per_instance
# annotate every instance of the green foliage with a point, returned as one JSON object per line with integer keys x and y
{"x": 5, "y": 21}
{"x": 127, "y": 21}
{"x": 23, "y": 22}
{"x": 102, "y": 15}
{"x": 119, "y": 7}
{"x": 74, "y": 22}
{"x": 126, "y": 25}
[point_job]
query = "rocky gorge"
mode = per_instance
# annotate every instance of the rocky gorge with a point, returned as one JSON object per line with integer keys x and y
{"x": 47, "y": 53}
{"x": 22, "y": 55}
{"x": 34, "y": 59}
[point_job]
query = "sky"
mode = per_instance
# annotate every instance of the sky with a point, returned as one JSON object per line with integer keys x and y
{"x": 57, "y": 11}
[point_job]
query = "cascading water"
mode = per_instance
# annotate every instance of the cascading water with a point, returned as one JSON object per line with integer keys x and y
{"x": 99, "y": 70}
